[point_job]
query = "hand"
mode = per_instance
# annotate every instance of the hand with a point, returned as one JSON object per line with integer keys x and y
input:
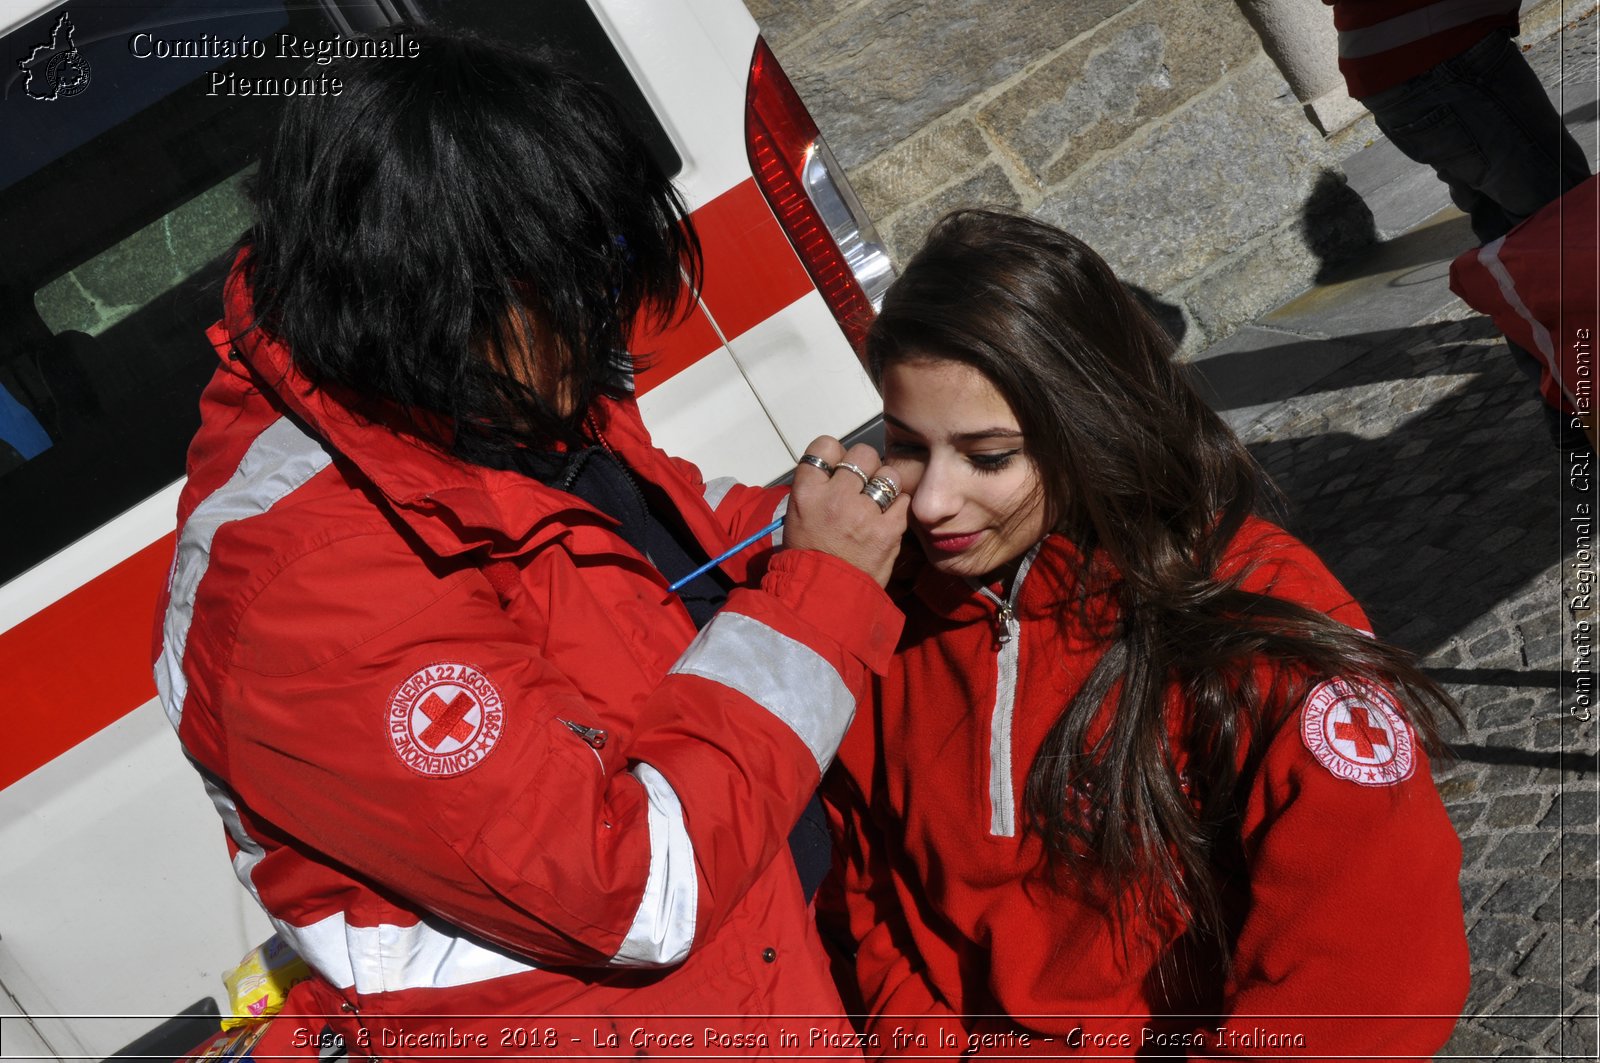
{"x": 831, "y": 513}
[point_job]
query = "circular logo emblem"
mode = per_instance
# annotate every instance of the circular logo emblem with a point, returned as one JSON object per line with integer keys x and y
{"x": 1356, "y": 732}
{"x": 67, "y": 74}
{"x": 445, "y": 719}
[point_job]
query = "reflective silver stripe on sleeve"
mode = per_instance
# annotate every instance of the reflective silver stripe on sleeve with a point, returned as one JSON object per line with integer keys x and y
{"x": 1414, "y": 25}
{"x": 1489, "y": 255}
{"x": 388, "y": 958}
{"x": 250, "y": 851}
{"x": 663, "y": 928}
{"x": 717, "y": 490}
{"x": 371, "y": 959}
{"x": 786, "y": 677}
{"x": 281, "y": 459}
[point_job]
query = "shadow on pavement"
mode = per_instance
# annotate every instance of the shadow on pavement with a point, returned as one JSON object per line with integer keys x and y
{"x": 1337, "y": 224}
{"x": 1539, "y": 678}
{"x": 1427, "y": 245}
{"x": 1255, "y": 377}
{"x": 1510, "y": 755}
{"x": 1584, "y": 112}
{"x": 1432, "y": 501}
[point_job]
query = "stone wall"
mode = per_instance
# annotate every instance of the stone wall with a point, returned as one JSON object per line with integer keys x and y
{"x": 1158, "y": 130}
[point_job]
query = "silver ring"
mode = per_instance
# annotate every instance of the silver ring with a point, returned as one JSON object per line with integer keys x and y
{"x": 886, "y": 484}
{"x": 858, "y": 470}
{"x": 816, "y": 463}
{"x": 879, "y": 494}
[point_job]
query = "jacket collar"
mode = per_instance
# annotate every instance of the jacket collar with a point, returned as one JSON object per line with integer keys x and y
{"x": 1051, "y": 581}
{"x": 452, "y": 505}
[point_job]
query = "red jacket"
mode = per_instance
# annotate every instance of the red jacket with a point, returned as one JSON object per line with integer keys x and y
{"x": 473, "y": 758}
{"x": 1541, "y": 284}
{"x": 1351, "y": 905}
{"x": 1385, "y": 42}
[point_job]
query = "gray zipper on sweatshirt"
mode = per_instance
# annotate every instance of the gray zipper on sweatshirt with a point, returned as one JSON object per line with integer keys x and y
{"x": 1008, "y": 633}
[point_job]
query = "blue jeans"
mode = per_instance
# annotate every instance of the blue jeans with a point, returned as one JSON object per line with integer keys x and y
{"x": 1485, "y": 125}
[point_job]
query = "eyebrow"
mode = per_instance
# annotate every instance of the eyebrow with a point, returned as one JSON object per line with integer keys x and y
{"x": 964, "y": 437}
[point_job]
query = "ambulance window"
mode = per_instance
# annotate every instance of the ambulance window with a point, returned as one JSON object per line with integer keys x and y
{"x": 120, "y": 215}
{"x": 121, "y": 198}
{"x": 575, "y": 38}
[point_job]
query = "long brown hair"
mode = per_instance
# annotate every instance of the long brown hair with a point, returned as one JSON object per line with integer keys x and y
{"x": 1151, "y": 487}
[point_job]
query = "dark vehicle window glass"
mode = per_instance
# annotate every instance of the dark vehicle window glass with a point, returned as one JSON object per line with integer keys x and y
{"x": 121, "y": 199}
{"x": 120, "y": 207}
{"x": 96, "y": 47}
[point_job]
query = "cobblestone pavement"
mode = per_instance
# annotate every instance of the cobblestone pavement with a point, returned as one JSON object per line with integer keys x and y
{"x": 1423, "y": 473}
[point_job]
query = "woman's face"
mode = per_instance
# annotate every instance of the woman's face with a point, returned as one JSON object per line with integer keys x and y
{"x": 977, "y": 504}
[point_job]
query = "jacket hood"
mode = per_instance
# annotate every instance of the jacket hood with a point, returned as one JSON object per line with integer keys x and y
{"x": 453, "y": 505}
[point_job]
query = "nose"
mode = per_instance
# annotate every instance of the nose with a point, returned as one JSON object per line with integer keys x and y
{"x": 935, "y": 495}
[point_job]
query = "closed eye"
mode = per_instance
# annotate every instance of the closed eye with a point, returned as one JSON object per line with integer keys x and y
{"x": 992, "y": 461}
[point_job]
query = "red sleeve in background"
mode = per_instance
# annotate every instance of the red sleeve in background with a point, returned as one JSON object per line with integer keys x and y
{"x": 1539, "y": 283}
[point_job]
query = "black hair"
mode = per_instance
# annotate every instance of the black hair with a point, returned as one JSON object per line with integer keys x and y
{"x": 1152, "y": 487}
{"x": 450, "y": 219}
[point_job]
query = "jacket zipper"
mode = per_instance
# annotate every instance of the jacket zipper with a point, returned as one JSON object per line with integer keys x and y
{"x": 1008, "y": 638}
{"x": 627, "y": 475}
{"x": 594, "y": 736}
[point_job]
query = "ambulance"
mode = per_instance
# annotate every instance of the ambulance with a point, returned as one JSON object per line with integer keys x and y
{"x": 128, "y": 133}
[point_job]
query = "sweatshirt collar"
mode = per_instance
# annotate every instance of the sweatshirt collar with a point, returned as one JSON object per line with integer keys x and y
{"x": 1053, "y": 577}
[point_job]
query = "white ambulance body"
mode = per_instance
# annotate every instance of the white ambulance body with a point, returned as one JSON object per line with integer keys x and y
{"x": 118, "y": 907}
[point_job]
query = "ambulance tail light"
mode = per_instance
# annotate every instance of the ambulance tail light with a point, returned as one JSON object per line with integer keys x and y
{"x": 812, "y": 200}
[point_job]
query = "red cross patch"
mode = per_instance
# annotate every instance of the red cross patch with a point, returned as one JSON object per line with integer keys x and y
{"x": 1355, "y": 731}
{"x": 445, "y": 719}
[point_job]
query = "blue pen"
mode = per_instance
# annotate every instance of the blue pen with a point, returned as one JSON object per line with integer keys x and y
{"x": 720, "y": 558}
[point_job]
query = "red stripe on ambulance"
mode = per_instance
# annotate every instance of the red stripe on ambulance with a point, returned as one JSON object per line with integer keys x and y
{"x": 82, "y": 663}
{"x": 751, "y": 273}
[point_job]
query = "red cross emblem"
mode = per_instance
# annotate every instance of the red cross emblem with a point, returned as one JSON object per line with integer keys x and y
{"x": 1359, "y": 730}
{"x": 444, "y": 719}
{"x": 1355, "y": 730}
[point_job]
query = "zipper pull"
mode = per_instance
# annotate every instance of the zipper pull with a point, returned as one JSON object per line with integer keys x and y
{"x": 595, "y": 737}
{"x": 1005, "y": 627}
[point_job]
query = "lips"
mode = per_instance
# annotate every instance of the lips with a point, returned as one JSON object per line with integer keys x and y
{"x": 952, "y": 544}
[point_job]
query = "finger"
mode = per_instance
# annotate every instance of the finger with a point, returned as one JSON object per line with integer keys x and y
{"x": 888, "y": 472}
{"x": 865, "y": 457}
{"x": 825, "y": 449}
{"x": 882, "y": 488}
{"x": 860, "y": 464}
{"x": 899, "y": 513}
{"x": 850, "y": 477}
